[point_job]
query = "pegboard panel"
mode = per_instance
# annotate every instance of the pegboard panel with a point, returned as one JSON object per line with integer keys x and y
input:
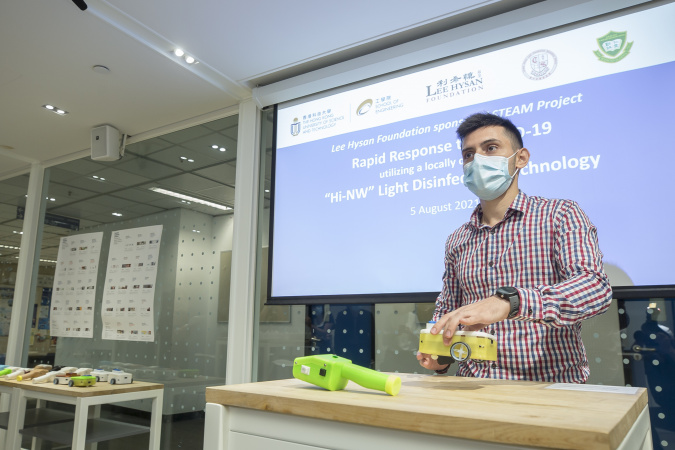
{"x": 648, "y": 344}
{"x": 397, "y": 334}
{"x": 188, "y": 353}
{"x": 601, "y": 337}
{"x": 343, "y": 330}
{"x": 279, "y": 343}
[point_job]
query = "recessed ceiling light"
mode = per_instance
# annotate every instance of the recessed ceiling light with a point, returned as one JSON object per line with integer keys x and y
{"x": 189, "y": 198}
{"x": 183, "y": 158}
{"x": 191, "y": 160}
{"x": 117, "y": 214}
{"x": 214, "y": 146}
{"x": 55, "y": 109}
{"x": 267, "y": 190}
{"x": 179, "y": 52}
{"x": 222, "y": 149}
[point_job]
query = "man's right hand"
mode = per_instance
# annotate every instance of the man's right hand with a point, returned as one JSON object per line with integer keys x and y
{"x": 428, "y": 363}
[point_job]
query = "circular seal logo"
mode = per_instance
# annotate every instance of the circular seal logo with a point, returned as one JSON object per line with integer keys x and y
{"x": 539, "y": 64}
{"x": 364, "y": 107}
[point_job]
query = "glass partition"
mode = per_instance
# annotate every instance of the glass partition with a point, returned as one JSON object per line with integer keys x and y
{"x": 12, "y": 200}
{"x": 166, "y": 210}
{"x": 279, "y": 330}
{"x": 648, "y": 349}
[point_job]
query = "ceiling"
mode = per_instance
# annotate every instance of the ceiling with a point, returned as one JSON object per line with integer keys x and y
{"x": 50, "y": 48}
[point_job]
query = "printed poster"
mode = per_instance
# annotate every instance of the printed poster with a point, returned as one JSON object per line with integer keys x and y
{"x": 128, "y": 297}
{"x": 74, "y": 291}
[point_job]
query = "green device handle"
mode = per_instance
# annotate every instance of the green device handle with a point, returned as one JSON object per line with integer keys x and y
{"x": 371, "y": 379}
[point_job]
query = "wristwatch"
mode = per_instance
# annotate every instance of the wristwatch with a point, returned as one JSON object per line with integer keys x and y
{"x": 443, "y": 360}
{"x": 510, "y": 294}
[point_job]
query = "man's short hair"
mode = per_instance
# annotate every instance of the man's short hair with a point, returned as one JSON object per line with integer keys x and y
{"x": 482, "y": 120}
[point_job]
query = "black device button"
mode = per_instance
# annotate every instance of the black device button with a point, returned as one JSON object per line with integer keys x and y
{"x": 322, "y": 372}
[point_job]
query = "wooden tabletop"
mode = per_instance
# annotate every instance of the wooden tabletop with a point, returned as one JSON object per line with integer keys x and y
{"x": 101, "y": 388}
{"x": 509, "y": 412}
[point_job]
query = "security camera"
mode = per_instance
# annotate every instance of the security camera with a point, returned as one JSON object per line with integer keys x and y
{"x": 80, "y": 4}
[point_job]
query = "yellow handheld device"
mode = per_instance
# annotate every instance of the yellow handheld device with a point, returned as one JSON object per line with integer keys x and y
{"x": 333, "y": 372}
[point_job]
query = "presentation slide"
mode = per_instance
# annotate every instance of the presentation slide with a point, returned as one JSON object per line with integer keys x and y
{"x": 368, "y": 184}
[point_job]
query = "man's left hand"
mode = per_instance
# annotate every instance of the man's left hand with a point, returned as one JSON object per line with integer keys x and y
{"x": 474, "y": 317}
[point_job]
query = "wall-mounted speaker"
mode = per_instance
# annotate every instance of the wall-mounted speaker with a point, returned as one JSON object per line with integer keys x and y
{"x": 105, "y": 143}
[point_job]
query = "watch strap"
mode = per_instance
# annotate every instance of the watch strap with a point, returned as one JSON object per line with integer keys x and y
{"x": 513, "y": 298}
{"x": 444, "y": 360}
{"x": 443, "y": 371}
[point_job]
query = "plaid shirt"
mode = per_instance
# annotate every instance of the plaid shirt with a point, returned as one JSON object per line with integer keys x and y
{"x": 548, "y": 250}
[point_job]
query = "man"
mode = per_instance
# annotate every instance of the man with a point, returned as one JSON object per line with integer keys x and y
{"x": 526, "y": 269}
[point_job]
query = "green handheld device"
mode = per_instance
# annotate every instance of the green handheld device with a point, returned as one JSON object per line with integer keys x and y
{"x": 333, "y": 372}
{"x": 4, "y": 372}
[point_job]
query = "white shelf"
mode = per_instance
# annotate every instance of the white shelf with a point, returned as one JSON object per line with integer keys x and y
{"x": 98, "y": 430}
{"x": 38, "y": 416}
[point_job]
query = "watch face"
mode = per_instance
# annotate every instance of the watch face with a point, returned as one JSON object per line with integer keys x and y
{"x": 507, "y": 291}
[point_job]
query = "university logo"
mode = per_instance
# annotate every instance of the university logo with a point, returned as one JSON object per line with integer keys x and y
{"x": 364, "y": 107}
{"x": 295, "y": 127}
{"x": 539, "y": 64}
{"x": 613, "y": 47}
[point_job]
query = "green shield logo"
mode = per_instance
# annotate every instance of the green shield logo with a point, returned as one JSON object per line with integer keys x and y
{"x": 614, "y": 46}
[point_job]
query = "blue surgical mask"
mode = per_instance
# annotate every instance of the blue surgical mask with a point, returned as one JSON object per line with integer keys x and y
{"x": 488, "y": 176}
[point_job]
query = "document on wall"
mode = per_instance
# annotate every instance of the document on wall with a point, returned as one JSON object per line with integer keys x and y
{"x": 74, "y": 291}
{"x": 129, "y": 293}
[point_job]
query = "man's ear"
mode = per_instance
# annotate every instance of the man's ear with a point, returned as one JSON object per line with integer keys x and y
{"x": 522, "y": 158}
